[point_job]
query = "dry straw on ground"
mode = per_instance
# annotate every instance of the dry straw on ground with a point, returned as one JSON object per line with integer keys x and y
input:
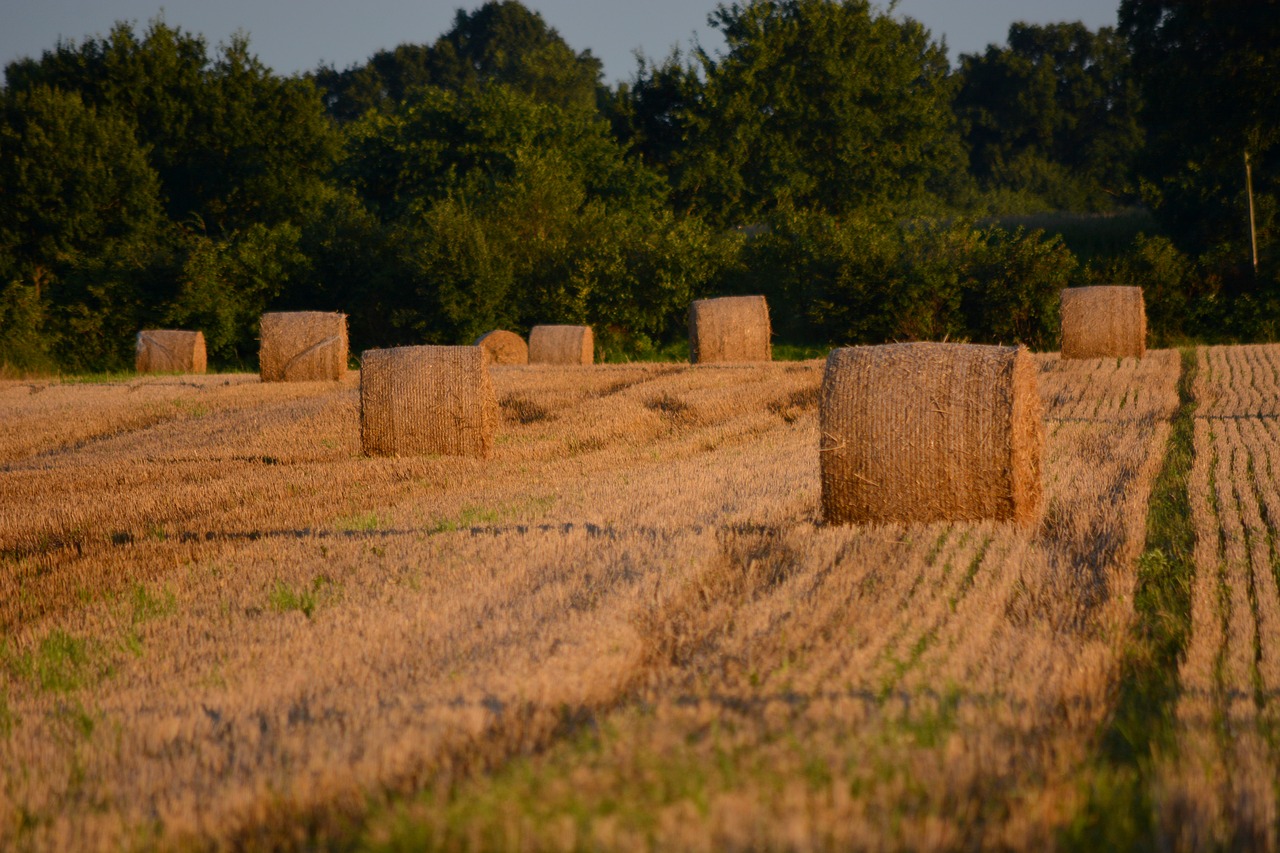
{"x": 427, "y": 400}
{"x": 561, "y": 345}
{"x": 930, "y": 432}
{"x": 300, "y": 346}
{"x": 732, "y": 328}
{"x": 170, "y": 351}
{"x": 504, "y": 347}
{"x": 1103, "y": 322}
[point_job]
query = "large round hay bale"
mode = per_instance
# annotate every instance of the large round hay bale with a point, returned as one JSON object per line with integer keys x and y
{"x": 925, "y": 432}
{"x": 561, "y": 345}
{"x": 1103, "y": 322}
{"x": 504, "y": 347}
{"x": 427, "y": 400}
{"x": 731, "y": 328}
{"x": 302, "y": 346}
{"x": 170, "y": 351}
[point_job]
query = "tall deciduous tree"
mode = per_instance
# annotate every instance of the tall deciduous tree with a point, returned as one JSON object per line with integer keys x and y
{"x": 824, "y": 102}
{"x": 233, "y": 144}
{"x": 501, "y": 41}
{"x": 1053, "y": 114}
{"x": 1208, "y": 72}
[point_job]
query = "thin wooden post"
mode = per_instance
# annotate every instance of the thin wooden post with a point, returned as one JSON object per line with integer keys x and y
{"x": 1253, "y": 228}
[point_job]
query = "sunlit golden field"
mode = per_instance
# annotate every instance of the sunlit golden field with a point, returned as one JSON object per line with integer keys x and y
{"x": 221, "y": 625}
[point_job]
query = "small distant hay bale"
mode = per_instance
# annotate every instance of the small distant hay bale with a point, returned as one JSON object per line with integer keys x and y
{"x": 731, "y": 328}
{"x": 561, "y": 345}
{"x": 925, "y": 432}
{"x": 427, "y": 400}
{"x": 504, "y": 347}
{"x": 303, "y": 346}
{"x": 1103, "y": 322}
{"x": 170, "y": 351}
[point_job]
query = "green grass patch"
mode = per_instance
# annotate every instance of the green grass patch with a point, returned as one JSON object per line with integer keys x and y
{"x": 468, "y": 516}
{"x": 1118, "y": 812}
{"x": 60, "y": 663}
{"x": 365, "y": 522}
{"x": 285, "y": 597}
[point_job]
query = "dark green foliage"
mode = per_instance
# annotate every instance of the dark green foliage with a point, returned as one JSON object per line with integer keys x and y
{"x": 864, "y": 280}
{"x": 232, "y": 143}
{"x": 1051, "y": 118}
{"x": 826, "y": 104}
{"x": 227, "y": 284}
{"x": 1208, "y": 73}
{"x": 501, "y": 42}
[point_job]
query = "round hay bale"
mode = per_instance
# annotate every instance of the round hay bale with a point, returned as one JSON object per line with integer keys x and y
{"x": 924, "y": 432}
{"x": 1103, "y": 322}
{"x": 170, "y": 351}
{"x": 303, "y": 346}
{"x": 427, "y": 400}
{"x": 561, "y": 345}
{"x": 504, "y": 347}
{"x": 731, "y": 328}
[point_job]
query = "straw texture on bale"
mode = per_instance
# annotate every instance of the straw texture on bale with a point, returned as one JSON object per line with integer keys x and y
{"x": 170, "y": 351}
{"x": 731, "y": 328}
{"x": 301, "y": 346}
{"x": 504, "y": 347}
{"x": 925, "y": 432}
{"x": 561, "y": 345}
{"x": 1103, "y": 322}
{"x": 427, "y": 400}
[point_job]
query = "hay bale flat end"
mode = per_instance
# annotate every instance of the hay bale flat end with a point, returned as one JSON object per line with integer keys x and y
{"x": 303, "y": 346}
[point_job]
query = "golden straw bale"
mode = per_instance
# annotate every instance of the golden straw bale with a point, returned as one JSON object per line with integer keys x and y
{"x": 301, "y": 346}
{"x": 170, "y": 351}
{"x": 427, "y": 400}
{"x": 924, "y": 432}
{"x": 504, "y": 347}
{"x": 731, "y": 328}
{"x": 1102, "y": 322}
{"x": 561, "y": 345}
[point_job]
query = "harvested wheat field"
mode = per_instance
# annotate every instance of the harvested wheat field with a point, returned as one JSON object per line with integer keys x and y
{"x": 222, "y": 625}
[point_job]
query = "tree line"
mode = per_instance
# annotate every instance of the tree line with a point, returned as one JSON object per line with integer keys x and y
{"x": 828, "y": 157}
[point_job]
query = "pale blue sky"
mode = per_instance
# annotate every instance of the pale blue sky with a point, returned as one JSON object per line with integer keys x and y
{"x": 297, "y": 35}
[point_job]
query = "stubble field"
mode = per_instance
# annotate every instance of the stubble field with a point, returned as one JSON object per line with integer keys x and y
{"x": 221, "y": 625}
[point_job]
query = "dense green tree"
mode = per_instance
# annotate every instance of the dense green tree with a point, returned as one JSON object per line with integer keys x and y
{"x": 824, "y": 102}
{"x": 232, "y": 143}
{"x": 80, "y": 214}
{"x": 501, "y": 41}
{"x": 1208, "y": 73}
{"x": 652, "y": 114}
{"x": 463, "y": 142}
{"x": 1053, "y": 115}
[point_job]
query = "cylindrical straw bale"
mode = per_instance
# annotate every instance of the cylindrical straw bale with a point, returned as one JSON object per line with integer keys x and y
{"x": 170, "y": 351}
{"x": 301, "y": 346}
{"x": 924, "y": 432}
{"x": 1103, "y": 322}
{"x": 427, "y": 400}
{"x": 561, "y": 345}
{"x": 504, "y": 347}
{"x": 731, "y": 328}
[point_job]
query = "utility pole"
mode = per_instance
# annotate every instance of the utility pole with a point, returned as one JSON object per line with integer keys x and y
{"x": 1253, "y": 229}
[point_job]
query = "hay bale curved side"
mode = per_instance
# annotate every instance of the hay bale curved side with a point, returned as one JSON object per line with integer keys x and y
{"x": 504, "y": 347}
{"x": 170, "y": 351}
{"x": 302, "y": 346}
{"x": 926, "y": 432}
{"x": 730, "y": 328}
{"x": 561, "y": 345}
{"x": 427, "y": 400}
{"x": 1103, "y": 322}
